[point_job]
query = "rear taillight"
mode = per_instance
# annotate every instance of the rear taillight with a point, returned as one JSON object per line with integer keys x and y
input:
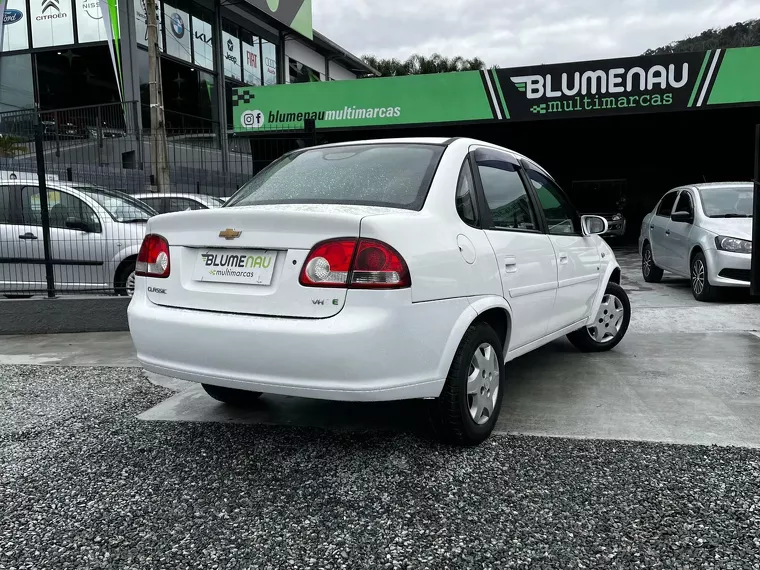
{"x": 355, "y": 264}
{"x": 153, "y": 259}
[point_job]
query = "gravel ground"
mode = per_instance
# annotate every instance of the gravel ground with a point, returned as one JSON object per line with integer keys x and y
{"x": 83, "y": 484}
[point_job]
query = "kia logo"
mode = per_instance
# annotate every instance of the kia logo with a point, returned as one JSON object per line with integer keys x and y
{"x": 205, "y": 39}
{"x": 12, "y": 16}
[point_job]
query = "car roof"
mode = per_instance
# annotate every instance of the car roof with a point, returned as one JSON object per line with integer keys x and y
{"x": 710, "y": 185}
{"x": 171, "y": 195}
{"x": 427, "y": 140}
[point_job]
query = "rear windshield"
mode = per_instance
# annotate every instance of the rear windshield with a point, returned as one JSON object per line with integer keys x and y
{"x": 727, "y": 201}
{"x": 393, "y": 175}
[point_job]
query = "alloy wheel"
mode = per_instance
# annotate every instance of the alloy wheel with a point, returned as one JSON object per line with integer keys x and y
{"x": 483, "y": 384}
{"x": 646, "y": 262}
{"x": 130, "y": 285}
{"x": 698, "y": 276}
{"x": 608, "y": 320}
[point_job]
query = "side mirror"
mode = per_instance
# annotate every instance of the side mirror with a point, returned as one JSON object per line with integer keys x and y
{"x": 77, "y": 224}
{"x": 594, "y": 225}
{"x": 682, "y": 216}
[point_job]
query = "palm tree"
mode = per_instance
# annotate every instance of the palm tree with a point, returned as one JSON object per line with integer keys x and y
{"x": 420, "y": 64}
{"x": 9, "y": 146}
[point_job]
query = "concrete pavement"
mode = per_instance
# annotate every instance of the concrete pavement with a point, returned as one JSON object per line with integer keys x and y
{"x": 687, "y": 372}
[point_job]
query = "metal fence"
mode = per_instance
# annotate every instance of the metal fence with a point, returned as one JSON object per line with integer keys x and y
{"x": 77, "y": 186}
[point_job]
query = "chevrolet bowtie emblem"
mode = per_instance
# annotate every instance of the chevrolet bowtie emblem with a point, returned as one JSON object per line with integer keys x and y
{"x": 229, "y": 234}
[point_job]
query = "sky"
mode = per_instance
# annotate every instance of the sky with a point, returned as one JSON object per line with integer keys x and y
{"x": 511, "y": 33}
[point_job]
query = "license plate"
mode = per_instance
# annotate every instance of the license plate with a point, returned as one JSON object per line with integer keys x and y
{"x": 251, "y": 267}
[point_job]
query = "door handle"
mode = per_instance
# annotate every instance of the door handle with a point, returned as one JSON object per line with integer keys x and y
{"x": 510, "y": 264}
{"x": 651, "y": 227}
{"x": 563, "y": 258}
{"x": 27, "y": 235}
{"x": 667, "y": 232}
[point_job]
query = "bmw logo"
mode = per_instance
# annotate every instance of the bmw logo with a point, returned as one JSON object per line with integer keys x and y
{"x": 178, "y": 26}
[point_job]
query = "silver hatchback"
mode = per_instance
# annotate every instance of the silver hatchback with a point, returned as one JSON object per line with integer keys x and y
{"x": 95, "y": 235}
{"x": 703, "y": 232}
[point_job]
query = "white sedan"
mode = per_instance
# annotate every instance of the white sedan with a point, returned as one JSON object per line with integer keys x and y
{"x": 379, "y": 270}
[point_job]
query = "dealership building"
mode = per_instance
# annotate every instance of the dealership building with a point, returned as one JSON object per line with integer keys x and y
{"x": 57, "y": 54}
{"x": 616, "y": 133}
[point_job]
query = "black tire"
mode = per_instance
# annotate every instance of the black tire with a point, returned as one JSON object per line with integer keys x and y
{"x": 700, "y": 284}
{"x": 584, "y": 340}
{"x": 231, "y": 396}
{"x": 18, "y": 296}
{"x": 451, "y": 414}
{"x": 121, "y": 283}
{"x": 651, "y": 273}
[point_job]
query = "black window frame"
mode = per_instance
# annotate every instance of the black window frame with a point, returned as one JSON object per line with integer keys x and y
{"x": 659, "y": 204}
{"x": 484, "y": 154}
{"x": 576, "y": 217}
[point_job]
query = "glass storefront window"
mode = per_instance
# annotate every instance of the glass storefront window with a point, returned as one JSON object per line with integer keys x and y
{"x": 16, "y": 82}
{"x": 300, "y": 73}
{"x": 188, "y": 97}
{"x": 76, "y": 77}
{"x": 269, "y": 61}
{"x": 251, "y": 48}
{"x": 231, "y": 49}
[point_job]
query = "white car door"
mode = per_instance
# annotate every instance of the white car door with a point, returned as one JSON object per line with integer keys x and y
{"x": 78, "y": 252}
{"x": 676, "y": 239}
{"x": 14, "y": 274}
{"x": 658, "y": 225}
{"x": 524, "y": 254}
{"x": 578, "y": 256}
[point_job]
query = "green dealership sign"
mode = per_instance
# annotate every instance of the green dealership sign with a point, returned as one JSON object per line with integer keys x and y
{"x": 647, "y": 84}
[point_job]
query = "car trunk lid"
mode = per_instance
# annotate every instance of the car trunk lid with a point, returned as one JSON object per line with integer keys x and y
{"x": 247, "y": 260}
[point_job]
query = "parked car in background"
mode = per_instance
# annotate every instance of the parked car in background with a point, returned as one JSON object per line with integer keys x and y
{"x": 167, "y": 203}
{"x": 95, "y": 235}
{"x": 703, "y": 232}
{"x": 379, "y": 270}
{"x": 605, "y": 198}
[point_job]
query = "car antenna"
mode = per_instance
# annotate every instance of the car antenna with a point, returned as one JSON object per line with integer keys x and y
{"x": 705, "y": 178}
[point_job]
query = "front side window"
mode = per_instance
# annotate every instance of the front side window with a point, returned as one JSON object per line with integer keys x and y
{"x": 666, "y": 204}
{"x": 506, "y": 196}
{"x": 467, "y": 206}
{"x": 684, "y": 203}
{"x": 561, "y": 217}
{"x": 62, "y": 208}
{"x": 391, "y": 175}
{"x": 727, "y": 201}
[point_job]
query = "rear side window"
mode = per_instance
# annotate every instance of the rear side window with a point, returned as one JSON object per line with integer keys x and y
{"x": 155, "y": 203}
{"x": 666, "y": 204}
{"x": 393, "y": 175}
{"x": 506, "y": 196}
{"x": 467, "y": 206}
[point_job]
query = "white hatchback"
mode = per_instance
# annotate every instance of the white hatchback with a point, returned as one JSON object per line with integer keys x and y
{"x": 378, "y": 270}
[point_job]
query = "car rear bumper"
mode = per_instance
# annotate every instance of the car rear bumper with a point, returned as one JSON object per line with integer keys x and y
{"x": 388, "y": 350}
{"x": 727, "y": 269}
